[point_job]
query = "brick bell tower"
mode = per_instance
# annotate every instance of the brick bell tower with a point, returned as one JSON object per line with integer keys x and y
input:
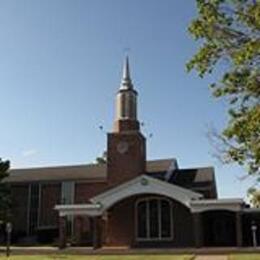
{"x": 126, "y": 151}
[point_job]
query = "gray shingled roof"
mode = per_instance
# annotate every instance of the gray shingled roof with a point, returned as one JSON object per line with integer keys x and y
{"x": 197, "y": 175}
{"x": 189, "y": 177}
{"x": 76, "y": 172}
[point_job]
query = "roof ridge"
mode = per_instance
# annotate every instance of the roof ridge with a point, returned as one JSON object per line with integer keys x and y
{"x": 197, "y": 168}
{"x": 56, "y": 167}
{"x": 76, "y": 165}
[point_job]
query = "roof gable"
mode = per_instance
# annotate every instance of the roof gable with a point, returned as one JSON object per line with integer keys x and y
{"x": 145, "y": 185}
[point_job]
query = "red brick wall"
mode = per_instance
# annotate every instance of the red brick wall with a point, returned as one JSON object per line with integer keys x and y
{"x": 119, "y": 230}
{"x": 84, "y": 191}
{"x": 50, "y": 196}
{"x": 120, "y": 224}
{"x": 19, "y": 194}
{"x": 124, "y": 166}
{"x": 125, "y": 125}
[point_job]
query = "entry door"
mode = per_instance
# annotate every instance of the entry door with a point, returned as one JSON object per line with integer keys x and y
{"x": 224, "y": 232}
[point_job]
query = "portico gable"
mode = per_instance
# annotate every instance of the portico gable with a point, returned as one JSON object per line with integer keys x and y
{"x": 144, "y": 185}
{"x": 140, "y": 185}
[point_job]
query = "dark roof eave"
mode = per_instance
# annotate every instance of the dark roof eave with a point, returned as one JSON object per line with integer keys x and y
{"x": 86, "y": 173}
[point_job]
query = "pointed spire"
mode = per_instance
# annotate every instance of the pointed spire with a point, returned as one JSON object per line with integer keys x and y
{"x": 126, "y": 70}
{"x": 126, "y": 82}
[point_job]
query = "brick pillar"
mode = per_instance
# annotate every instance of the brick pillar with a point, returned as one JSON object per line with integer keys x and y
{"x": 239, "y": 232}
{"x": 78, "y": 229}
{"x": 97, "y": 232}
{"x": 62, "y": 232}
{"x": 197, "y": 229}
{"x": 105, "y": 228}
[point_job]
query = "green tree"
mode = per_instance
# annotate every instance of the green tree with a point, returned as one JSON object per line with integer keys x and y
{"x": 5, "y": 201}
{"x": 102, "y": 159}
{"x": 254, "y": 197}
{"x": 228, "y": 32}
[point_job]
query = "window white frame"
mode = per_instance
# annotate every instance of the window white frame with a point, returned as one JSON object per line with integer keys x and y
{"x": 67, "y": 198}
{"x": 67, "y": 192}
{"x": 29, "y": 207}
{"x": 149, "y": 238}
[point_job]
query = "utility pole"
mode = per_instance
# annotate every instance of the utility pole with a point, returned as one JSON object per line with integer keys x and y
{"x": 9, "y": 228}
{"x": 254, "y": 229}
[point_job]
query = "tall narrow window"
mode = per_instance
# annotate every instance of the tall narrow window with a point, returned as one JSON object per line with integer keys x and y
{"x": 34, "y": 202}
{"x": 67, "y": 197}
{"x": 154, "y": 219}
{"x": 165, "y": 219}
{"x": 67, "y": 192}
{"x": 141, "y": 219}
{"x": 154, "y": 211}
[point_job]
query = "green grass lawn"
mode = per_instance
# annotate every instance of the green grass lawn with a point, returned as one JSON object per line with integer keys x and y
{"x": 100, "y": 257}
{"x": 244, "y": 257}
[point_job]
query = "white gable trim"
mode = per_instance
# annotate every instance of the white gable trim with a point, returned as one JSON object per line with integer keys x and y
{"x": 144, "y": 185}
{"x": 140, "y": 185}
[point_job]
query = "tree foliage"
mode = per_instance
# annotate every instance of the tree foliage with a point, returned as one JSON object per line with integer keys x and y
{"x": 102, "y": 159}
{"x": 5, "y": 201}
{"x": 228, "y": 32}
{"x": 254, "y": 197}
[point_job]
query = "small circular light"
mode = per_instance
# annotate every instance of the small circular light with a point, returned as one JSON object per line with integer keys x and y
{"x": 144, "y": 182}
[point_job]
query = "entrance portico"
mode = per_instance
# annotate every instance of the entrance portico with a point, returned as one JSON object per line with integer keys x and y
{"x": 149, "y": 212}
{"x": 108, "y": 206}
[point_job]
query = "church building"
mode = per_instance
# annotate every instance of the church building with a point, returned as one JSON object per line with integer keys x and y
{"x": 127, "y": 201}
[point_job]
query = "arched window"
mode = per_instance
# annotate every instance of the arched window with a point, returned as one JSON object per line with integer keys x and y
{"x": 154, "y": 219}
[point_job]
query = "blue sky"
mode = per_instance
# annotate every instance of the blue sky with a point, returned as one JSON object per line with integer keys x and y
{"x": 60, "y": 68}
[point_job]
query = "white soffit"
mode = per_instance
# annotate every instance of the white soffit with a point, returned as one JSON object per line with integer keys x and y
{"x": 217, "y": 204}
{"x": 78, "y": 209}
{"x": 145, "y": 185}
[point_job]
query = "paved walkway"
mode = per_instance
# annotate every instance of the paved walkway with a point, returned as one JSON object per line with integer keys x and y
{"x": 200, "y": 253}
{"x": 211, "y": 257}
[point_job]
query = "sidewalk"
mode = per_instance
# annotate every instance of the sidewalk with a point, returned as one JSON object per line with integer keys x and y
{"x": 201, "y": 253}
{"x": 211, "y": 257}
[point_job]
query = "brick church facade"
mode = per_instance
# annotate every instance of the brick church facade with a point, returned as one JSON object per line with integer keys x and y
{"x": 127, "y": 201}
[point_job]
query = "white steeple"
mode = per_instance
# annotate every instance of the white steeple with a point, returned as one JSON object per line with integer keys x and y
{"x": 126, "y": 102}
